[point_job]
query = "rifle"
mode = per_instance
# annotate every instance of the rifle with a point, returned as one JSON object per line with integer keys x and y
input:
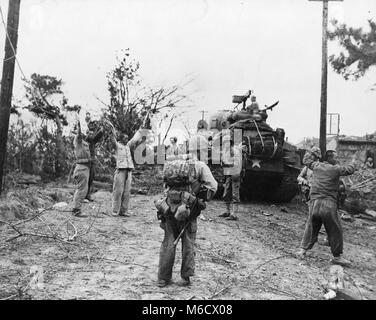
{"x": 197, "y": 206}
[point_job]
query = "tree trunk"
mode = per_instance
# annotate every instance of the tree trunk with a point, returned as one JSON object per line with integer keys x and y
{"x": 60, "y": 160}
{"x": 7, "y": 80}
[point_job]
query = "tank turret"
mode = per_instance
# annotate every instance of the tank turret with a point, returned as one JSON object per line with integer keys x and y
{"x": 270, "y": 164}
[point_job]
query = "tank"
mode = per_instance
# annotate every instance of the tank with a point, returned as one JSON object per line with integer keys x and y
{"x": 271, "y": 165}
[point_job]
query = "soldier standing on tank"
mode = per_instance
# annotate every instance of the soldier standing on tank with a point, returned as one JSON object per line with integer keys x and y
{"x": 253, "y": 108}
{"x": 232, "y": 174}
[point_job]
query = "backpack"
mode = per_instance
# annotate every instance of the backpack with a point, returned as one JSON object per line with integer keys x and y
{"x": 176, "y": 173}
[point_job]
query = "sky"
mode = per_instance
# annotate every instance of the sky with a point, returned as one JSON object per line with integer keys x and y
{"x": 225, "y": 46}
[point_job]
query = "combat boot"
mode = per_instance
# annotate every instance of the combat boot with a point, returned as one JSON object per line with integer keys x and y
{"x": 228, "y": 211}
{"x": 301, "y": 253}
{"x": 341, "y": 261}
{"x": 234, "y": 210}
{"x": 89, "y": 198}
{"x": 124, "y": 214}
{"x": 184, "y": 282}
{"x": 163, "y": 283}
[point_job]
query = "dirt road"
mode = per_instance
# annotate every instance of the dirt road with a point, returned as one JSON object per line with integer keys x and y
{"x": 117, "y": 258}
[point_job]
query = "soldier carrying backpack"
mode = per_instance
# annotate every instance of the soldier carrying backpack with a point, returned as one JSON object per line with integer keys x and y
{"x": 188, "y": 185}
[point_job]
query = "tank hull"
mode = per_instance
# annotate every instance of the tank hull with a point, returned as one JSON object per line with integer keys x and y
{"x": 271, "y": 165}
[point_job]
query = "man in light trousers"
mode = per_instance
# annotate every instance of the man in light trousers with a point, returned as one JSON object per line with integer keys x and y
{"x": 81, "y": 171}
{"x": 123, "y": 174}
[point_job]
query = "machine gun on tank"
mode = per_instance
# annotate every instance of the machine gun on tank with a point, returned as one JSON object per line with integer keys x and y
{"x": 241, "y": 99}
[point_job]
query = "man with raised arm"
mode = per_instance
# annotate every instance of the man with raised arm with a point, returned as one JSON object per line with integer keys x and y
{"x": 323, "y": 202}
{"x": 81, "y": 171}
{"x": 123, "y": 174}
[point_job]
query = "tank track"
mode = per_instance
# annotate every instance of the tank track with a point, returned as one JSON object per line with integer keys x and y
{"x": 288, "y": 187}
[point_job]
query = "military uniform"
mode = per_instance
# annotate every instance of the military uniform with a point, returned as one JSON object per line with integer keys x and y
{"x": 253, "y": 108}
{"x": 305, "y": 181}
{"x": 231, "y": 193}
{"x": 81, "y": 172}
{"x": 323, "y": 204}
{"x": 92, "y": 138}
{"x": 198, "y": 172}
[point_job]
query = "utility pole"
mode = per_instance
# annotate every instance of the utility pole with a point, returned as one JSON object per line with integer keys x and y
{"x": 203, "y": 114}
{"x": 7, "y": 79}
{"x": 324, "y": 74}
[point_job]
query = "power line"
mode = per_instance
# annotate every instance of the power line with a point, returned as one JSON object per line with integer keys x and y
{"x": 11, "y": 44}
{"x": 18, "y": 63}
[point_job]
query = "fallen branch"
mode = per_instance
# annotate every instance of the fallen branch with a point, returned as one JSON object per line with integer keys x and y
{"x": 122, "y": 262}
{"x": 219, "y": 292}
{"x": 284, "y": 292}
{"x": 222, "y": 259}
{"x": 10, "y": 297}
{"x": 90, "y": 225}
{"x": 34, "y": 217}
{"x": 71, "y": 238}
{"x": 20, "y": 292}
{"x": 266, "y": 262}
{"x": 24, "y": 234}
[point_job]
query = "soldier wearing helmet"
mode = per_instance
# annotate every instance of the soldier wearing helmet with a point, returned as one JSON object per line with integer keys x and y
{"x": 369, "y": 163}
{"x": 323, "y": 202}
{"x": 253, "y": 108}
{"x": 232, "y": 172}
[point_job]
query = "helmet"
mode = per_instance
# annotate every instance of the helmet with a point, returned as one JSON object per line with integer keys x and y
{"x": 316, "y": 152}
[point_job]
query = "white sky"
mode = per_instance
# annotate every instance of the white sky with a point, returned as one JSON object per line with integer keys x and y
{"x": 227, "y": 46}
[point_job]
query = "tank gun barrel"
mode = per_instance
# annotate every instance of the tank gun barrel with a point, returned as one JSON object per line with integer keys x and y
{"x": 270, "y": 107}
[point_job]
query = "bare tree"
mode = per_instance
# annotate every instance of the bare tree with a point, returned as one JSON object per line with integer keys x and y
{"x": 131, "y": 102}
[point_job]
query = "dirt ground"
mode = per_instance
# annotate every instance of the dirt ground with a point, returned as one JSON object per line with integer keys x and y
{"x": 105, "y": 257}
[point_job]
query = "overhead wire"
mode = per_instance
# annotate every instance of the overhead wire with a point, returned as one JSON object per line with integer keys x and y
{"x": 11, "y": 44}
{"x": 18, "y": 63}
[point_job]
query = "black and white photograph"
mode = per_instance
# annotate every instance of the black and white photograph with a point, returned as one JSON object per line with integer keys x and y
{"x": 192, "y": 151}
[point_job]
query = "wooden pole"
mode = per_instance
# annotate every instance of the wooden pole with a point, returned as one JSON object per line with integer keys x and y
{"x": 7, "y": 80}
{"x": 324, "y": 77}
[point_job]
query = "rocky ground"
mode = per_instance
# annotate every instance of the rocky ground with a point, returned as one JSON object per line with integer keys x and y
{"x": 52, "y": 255}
